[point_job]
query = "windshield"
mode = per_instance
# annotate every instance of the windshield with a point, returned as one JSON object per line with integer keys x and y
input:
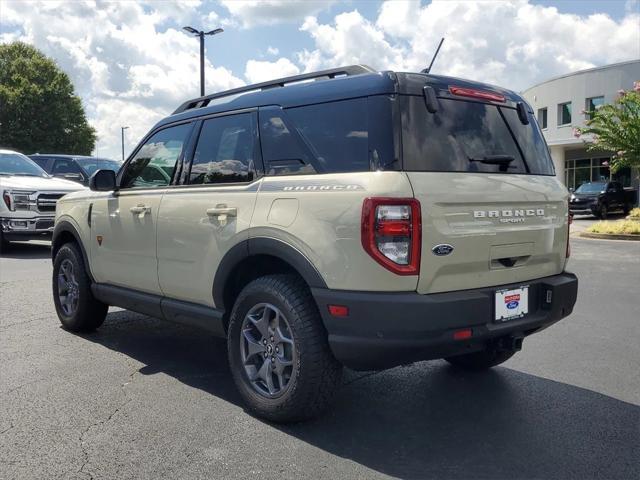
{"x": 465, "y": 136}
{"x": 18, "y": 164}
{"x": 591, "y": 188}
{"x": 91, "y": 165}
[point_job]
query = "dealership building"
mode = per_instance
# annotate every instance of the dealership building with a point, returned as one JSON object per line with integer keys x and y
{"x": 564, "y": 102}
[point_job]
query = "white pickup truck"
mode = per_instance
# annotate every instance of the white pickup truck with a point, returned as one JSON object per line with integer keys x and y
{"x": 29, "y": 196}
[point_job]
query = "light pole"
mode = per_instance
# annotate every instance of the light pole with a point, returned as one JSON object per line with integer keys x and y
{"x": 201, "y": 34}
{"x": 122, "y": 129}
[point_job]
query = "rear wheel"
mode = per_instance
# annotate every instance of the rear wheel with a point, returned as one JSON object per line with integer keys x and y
{"x": 278, "y": 350}
{"x": 77, "y": 308}
{"x": 4, "y": 245}
{"x": 482, "y": 360}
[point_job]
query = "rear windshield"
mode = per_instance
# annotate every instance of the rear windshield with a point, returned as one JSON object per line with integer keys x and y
{"x": 465, "y": 136}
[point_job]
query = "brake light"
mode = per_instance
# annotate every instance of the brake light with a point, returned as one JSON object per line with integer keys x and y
{"x": 474, "y": 93}
{"x": 6, "y": 196}
{"x": 391, "y": 233}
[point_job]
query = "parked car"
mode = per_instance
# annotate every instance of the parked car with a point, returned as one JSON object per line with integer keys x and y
{"x": 600, "y": 199}
{"x": 77, "y": 168}
{"x": 29, "y": 196}
{"x": 344, "y": 217}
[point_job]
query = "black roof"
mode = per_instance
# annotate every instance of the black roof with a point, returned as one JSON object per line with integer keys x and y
{"x": 324, "y": 86}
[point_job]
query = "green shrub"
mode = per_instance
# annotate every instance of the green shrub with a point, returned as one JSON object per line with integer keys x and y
{"x": 635, "y": 213}
{"x": 628, "y": 227}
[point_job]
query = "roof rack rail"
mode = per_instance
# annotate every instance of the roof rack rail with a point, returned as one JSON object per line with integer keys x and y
{"x": 281, "y": 82}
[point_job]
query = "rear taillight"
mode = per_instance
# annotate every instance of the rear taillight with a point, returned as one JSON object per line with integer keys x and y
{"x": 391, "y": 233}
{"x": 569, "y": 222}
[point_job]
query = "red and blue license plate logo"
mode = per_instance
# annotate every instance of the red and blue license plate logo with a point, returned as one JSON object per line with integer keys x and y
{"x": 512, "y": 301}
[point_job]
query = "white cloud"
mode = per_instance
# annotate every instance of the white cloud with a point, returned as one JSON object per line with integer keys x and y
{"x": 272, "y": 50}
{"x": 270, "y": 12}
{"x": 258, "y": 71}
{"x": 128, "y": 67}
{"x": 514, "y": 44}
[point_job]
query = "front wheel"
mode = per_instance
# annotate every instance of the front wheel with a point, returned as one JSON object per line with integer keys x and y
{"x": 77, "y": 308}
{"x": 483, "y": 360}
{"x": 278, "y": 350}
{"x": 603, "y": 212}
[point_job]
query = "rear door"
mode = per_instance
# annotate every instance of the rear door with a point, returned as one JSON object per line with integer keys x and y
{"x": 211, "y": 212}
{"x": 487, "y": 188}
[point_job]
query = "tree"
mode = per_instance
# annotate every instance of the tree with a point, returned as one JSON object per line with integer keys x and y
{"x": 616, "y": 127}
{"x": 39, "y": 111}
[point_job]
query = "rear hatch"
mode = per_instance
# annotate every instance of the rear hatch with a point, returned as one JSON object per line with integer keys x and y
{"x": 482, "y": 173}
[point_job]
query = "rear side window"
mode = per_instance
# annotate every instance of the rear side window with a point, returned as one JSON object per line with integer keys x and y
{"x": 465, "y": 136}
{"x": 226, "y": 150}
{"x": 337, "y": 133}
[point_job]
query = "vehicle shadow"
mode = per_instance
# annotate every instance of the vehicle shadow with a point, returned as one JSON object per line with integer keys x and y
{"x": 23, "y": 250}
{"x": 427, "y": 420}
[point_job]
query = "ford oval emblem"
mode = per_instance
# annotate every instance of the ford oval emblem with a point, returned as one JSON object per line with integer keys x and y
{"x": 442, "y": 249}
{"x": 512, "y": 304}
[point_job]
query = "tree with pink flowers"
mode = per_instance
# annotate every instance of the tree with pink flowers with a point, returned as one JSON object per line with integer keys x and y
{"x": 616, "y": 127}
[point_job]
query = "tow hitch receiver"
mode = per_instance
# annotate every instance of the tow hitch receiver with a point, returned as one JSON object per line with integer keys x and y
{"x": 509, "y": 344}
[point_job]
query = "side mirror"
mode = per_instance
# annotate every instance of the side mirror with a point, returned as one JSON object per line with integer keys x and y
{"x": 103, "y": 181}
{"x": 572, "y": 189}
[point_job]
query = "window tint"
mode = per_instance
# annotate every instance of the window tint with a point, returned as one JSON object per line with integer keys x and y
{"x": 467, "y": 136}
{"x": 154, "y": 164}
{"x": 337, "y": 134}
{"x": 43, "y": 162}
{"x": 283, "y": 151}
{"x": 226, "y": 150}
{"x": 64, "y": 165}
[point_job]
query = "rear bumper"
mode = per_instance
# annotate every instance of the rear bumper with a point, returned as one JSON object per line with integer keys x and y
{"x": 27, "y": 228}
{"x": 383, "y": 330}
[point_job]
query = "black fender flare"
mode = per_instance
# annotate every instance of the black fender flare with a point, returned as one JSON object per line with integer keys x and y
{"x": 65, "y": 226}
{"x": 263, "y": 246}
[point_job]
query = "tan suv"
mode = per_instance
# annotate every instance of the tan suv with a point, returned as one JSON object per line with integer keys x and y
{"x": 345, "y": 217}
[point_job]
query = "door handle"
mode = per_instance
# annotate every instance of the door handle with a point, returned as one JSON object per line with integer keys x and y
{"x": 140, "y": 209}
{"x": 222, "y": 210}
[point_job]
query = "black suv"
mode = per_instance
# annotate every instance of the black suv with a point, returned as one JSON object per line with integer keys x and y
{"x": 599, "y": 199}
{"x": 77, "y": 168}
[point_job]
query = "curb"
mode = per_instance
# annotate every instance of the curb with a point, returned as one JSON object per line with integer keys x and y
{"x": 611, "y": 236}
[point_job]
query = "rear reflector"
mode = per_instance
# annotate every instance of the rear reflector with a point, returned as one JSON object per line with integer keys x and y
{"x": 339, "y": 310}
{"x": 473, "y": 93}
{"x": 570, "y": 221}
{"x": 462, "y": 334}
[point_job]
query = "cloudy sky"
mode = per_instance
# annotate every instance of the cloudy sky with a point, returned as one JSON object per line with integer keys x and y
{"x": 132, "y": 64}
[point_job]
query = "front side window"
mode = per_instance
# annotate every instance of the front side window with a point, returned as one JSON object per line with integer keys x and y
{"x": 226, "y": 150}
{"x": 564, "y": 114}
{"x": 155, "y": 162}
{"x": 593, "y": 104}
{"x": 65, "y": 166}
{"x": 542, "y": 117}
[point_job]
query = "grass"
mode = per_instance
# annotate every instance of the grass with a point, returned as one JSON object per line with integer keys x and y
{"x": 627, "y": 227}
{"x": 635, "y": 213}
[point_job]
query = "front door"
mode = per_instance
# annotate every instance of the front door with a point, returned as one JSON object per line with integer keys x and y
{"x": 123, "y": 227}
{"x": 199, "y": 222}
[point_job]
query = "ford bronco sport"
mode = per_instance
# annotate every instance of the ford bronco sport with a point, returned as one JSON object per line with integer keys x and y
{"x": 345, "y": 217}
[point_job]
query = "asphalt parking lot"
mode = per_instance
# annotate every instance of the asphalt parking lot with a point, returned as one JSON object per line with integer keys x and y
{"x": 146, "y": 399}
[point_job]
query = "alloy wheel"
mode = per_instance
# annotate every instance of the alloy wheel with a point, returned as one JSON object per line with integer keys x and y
{"x": 68, "y": 288}
{"x": 267, "y": 350}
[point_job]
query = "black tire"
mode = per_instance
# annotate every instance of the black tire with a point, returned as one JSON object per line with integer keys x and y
{"x": 626, "y": 209}
{"x": 88, "y": 313}
{"x": 315, "y": 373}
{"x": 478, "y": 361}
{"x": 603, "y": 211}
{"x": 4, "y": 245}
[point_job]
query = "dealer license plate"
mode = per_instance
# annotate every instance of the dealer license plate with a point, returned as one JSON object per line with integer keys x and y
{"x": 513, "y": 303}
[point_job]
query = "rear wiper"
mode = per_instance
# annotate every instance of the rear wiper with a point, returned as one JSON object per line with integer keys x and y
{"x": 502, "y": 160}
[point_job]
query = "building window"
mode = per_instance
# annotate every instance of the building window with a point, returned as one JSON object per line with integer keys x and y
{"x": 564, "y": 114}
{"x": 592, "y": 105}
{"x": 586, "y": 170}
{"x": 542, "y": 117}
